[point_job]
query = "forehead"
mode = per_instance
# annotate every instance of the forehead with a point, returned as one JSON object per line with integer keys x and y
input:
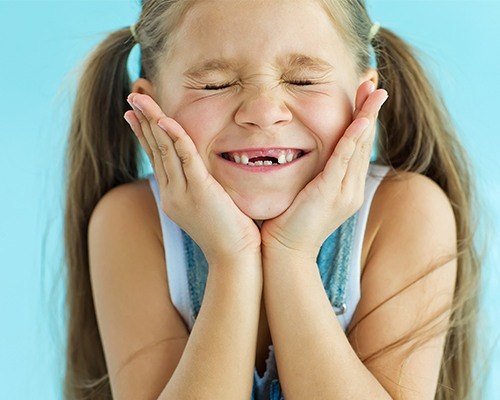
{"x": 230, "y": 35}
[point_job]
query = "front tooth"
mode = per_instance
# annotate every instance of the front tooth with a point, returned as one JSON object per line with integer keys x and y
{"x": 282, "y": 158}
{"x": 259, "y": 162}
{"x": 237, "y": 158}
{"x": 268, "y": 162}
{"x": 244, "y": 159}
{"x": 289, "y": 156}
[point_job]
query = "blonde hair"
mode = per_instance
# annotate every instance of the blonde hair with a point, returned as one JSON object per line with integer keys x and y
{"x": 415, "y": 134}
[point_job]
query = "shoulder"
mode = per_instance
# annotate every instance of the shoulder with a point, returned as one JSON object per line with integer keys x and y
{"x": 412, "y": 206}
{"x": 126, "y": 203}
{"x": 413, "y": 203}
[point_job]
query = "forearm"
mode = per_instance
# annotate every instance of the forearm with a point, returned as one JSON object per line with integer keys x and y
{"x": 315, "y": 359}
{"x": 219, "y": 357}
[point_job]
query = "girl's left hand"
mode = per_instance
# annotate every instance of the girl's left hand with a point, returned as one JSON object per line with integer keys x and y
{"x": 336, "y": 193}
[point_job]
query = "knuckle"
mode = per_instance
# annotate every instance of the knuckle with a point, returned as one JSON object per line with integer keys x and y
{"x": 169, "y": 203}
{"x": 185, "y": 158}
{"x": 344, "y": 159}
{"x": 155, "y": 158}
{"x": 150, "y": 118}
{"x": 164, "y": 150}
{"x": 143, "y": 122}
{"x": 184, "y": 155}
{"x": 364, "y": 149}
{"x": 139, "y": 115}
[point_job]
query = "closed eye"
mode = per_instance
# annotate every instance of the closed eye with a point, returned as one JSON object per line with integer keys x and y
{"x": 226, "y": 85}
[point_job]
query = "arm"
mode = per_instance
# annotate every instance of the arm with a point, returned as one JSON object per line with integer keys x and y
{"x": 315, "y": 358}
{"x": 148, "y": 350}
{"x": 219, "y": 358}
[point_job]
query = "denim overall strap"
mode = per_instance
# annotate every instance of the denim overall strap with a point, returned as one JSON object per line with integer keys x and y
{"x": 333, "y": 262}
{"x": 197, "y": 271}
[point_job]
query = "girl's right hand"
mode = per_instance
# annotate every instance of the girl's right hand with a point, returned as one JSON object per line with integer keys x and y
{"x": 189, "y": 194}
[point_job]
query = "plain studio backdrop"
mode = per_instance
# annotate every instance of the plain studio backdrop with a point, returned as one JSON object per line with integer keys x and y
{"x": 41, "y": 45}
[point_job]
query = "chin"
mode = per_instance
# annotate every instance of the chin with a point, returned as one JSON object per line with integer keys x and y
{"x": 263, "y": 208}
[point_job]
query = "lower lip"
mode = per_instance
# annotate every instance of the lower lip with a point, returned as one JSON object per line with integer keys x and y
{"x": 264, "y": 168}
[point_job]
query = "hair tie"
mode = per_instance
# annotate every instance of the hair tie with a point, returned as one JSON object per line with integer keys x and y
{"x": 134, "y": 32}
{"x": 373, "y": 31}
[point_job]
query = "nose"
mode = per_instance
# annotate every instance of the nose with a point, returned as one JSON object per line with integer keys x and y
{"x": 263, "y": 110}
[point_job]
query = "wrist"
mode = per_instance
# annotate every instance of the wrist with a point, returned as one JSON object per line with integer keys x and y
{"x": 241, "y": 261}
{"x": 276, "y": 251}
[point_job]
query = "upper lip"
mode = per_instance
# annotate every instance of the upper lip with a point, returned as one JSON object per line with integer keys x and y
{"x": 264, "y": 151}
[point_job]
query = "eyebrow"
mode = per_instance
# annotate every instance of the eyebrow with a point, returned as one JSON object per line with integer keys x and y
{"x": 293, "y": 62}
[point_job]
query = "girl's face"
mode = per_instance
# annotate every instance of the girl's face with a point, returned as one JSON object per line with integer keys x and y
{"x": 260, "y": 105}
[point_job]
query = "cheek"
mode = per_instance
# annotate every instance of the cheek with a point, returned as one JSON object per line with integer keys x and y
{"x": 326, "y": 118}
{"x": 201, "y": 120}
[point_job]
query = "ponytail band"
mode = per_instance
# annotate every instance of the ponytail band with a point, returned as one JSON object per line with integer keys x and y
{"x": 134, "y": 32}
{"x": 373, "y": 31}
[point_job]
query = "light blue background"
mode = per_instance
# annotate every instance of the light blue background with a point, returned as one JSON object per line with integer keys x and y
{"x": 41, "y": 44}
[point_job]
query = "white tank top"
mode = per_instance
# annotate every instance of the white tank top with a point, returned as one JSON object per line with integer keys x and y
{"x": 176, "y": 261}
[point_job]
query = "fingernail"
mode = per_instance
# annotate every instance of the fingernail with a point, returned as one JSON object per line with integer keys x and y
{"x": 127, "y": 119}
{"x": 162, "y": 125}
{"x": 130, "y": 98}
{"x": 372, "y": 87}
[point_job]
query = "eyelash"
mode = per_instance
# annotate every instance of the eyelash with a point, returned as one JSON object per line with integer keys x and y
{"x": 225, "y": 85}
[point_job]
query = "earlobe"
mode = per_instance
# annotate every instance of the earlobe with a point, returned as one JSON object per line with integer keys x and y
{"x": 143, "y": 86}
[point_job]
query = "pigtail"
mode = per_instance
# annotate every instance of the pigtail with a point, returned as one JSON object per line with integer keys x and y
{"x": 416, "y": 134}
{"x": 101, "y": 153}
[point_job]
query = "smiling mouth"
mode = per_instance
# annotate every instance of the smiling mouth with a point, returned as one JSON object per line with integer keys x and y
{"x": 263, "y": 160}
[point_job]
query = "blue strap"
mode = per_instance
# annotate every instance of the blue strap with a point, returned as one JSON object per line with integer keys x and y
{"x": 333, "y": 261}
{"x": 275, "y": 390}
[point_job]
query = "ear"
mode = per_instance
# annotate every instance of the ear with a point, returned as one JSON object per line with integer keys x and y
{"x": 143, "y": 86}
{"x": 370, "y": 74}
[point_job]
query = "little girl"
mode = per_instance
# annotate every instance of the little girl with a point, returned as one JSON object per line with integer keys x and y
{"x": 266, "y": 256}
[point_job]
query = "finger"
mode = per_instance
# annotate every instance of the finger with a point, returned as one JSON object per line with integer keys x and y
{"x": 191, "y": 161}
{"x": 336, "y": 166}
{"x": 133, "y": 121}
{"x": 364, "y": 91}
{"x": 169, "y": 157}
{"x": 158, "y": 169}
{"x": 372, "y": 104}
{"x": 355, "y": 175}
